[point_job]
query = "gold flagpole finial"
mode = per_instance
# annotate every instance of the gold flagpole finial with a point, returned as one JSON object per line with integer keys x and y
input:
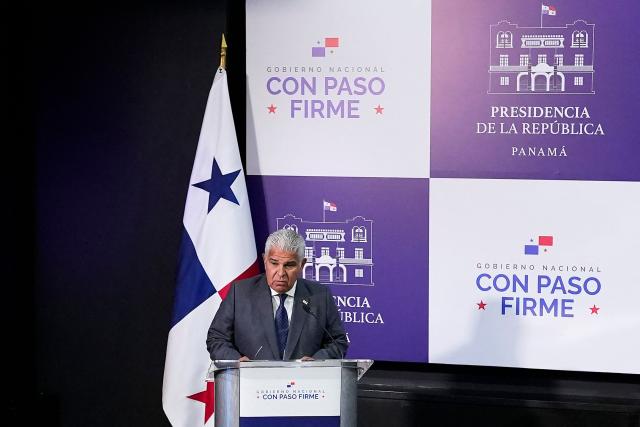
{"x": 223, "y": 53}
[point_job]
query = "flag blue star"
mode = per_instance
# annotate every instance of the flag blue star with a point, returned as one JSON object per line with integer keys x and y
{"x": 219, "y": 186}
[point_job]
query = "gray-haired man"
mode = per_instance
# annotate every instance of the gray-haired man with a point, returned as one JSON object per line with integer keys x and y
{"x": 278, "y": 315}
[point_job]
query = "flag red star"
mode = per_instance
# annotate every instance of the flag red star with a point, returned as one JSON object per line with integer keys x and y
{"x": 594, "y": 309}
{"x": 378, "y": 109}
{"x": 208, "y": 398}
{"x": 272, "y": 109}
{"x": 481, "y": 305}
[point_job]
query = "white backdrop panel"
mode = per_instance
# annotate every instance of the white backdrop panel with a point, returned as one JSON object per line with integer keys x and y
{"x": 379, "y": 131}
{"x": 478, "y": 233}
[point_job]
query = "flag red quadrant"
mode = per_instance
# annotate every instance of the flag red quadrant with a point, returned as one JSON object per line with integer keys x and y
{"x": 545, "y": 240}
{"x": 217, "y": 247}
{"x": 331, "y": 42}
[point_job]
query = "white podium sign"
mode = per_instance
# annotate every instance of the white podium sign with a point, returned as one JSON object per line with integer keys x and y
{"x": 290, "y": 392}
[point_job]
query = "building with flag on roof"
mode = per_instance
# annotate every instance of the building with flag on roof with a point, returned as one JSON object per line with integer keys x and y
{"x": 337, "y": 252}
{"x": 541, "y": 60}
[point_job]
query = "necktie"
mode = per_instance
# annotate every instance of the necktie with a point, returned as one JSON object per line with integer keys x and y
{"x": 282, "y": 325}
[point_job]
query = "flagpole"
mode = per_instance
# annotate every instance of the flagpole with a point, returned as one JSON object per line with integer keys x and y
{"x": 540, "y": 15}
{"x": 323, "y": 210}
{"x": 223, "y": 54}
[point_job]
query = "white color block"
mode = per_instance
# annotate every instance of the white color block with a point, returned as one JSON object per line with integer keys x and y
{"x": 372, "y": 33}
{"x": 593, "y": 224}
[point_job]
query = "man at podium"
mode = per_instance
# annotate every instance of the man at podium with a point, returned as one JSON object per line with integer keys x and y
{"x": 278, "y": 315}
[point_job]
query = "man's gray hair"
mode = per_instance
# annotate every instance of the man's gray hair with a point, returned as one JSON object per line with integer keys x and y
{"x": 286, "y": 240}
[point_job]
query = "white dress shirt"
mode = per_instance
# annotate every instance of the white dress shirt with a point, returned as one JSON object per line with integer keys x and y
{"x": 288, "y": 303}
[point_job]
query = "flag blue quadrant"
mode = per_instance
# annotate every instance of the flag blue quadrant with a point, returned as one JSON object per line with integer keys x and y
{"x": 531, "y": 249}
{"x": 193, "y": 285}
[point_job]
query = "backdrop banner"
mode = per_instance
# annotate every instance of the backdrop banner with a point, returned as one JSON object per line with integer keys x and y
{"x": 465, "y": 174}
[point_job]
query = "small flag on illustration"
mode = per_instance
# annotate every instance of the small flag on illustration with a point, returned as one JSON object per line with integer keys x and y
{"x": 329, "y": 206}
{"x": 532, "y": 249}
{"x": 548, "y": 10}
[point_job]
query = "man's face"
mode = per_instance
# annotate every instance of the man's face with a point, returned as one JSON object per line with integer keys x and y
{"x": 282, "y": 269}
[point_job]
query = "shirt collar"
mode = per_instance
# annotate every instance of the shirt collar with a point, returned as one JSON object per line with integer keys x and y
{"x": 291, "y": 292}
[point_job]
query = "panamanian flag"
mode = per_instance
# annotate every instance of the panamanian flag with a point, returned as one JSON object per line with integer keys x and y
{"x": 329, "y": 206}
{"x": 548, "y": 10}
{"x": 217, "y": 248}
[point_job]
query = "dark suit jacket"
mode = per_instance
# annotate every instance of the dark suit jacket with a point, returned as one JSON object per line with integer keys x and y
{"x": 244, "y": 324}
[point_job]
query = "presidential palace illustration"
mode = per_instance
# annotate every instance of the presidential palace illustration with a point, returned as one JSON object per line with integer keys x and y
{"x": 541, "y": 60}
{"x": 338, "y": 253}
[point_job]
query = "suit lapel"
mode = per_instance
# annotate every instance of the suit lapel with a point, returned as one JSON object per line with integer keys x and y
{"x": 264, "y": 314}
{"x": 298, "y": 318}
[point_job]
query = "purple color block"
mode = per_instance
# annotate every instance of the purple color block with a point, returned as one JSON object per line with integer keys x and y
{"x": 396, "y": 241}
{"x": 318, "y": 51}
{"x": 461, "y": 76}
{"x": 531, "y": 249}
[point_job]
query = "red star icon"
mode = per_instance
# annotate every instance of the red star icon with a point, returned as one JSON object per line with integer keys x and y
{"x": 594, "y": 309}
{"x": 481, "y": 305}
{"x": 272, "y": 109}
{"x": 378, "y": 109}
{"x": 208, "y": 398}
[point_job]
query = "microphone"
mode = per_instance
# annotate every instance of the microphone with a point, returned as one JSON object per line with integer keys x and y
{"x": 306, "y": 305}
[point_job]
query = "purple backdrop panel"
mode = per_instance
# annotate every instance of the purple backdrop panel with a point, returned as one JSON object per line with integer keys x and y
{"x": 518, "y": 93}
{"x": 366, "y": 238}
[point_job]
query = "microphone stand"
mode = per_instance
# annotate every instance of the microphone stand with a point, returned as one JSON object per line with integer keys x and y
{"x": 306, "y": 305}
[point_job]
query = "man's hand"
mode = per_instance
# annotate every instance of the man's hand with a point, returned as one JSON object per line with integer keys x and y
{"x": 244, "y": 359}
{"x": 307, "y": 358}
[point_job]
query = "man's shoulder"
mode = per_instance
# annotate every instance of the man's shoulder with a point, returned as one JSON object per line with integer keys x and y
{"x": 313, "y": 286}
{"x": 252, "y": 279}
{"x": 249, "y": 284}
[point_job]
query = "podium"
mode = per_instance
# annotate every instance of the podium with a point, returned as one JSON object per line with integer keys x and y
{"x": 319, "y": 393}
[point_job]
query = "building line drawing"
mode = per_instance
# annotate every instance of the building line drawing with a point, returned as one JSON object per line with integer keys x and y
{"x": 337, "y": 252}
{"x": 541, "y": 60}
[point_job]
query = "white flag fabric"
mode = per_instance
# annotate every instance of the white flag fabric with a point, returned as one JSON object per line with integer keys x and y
{"x": 217, "y": 248}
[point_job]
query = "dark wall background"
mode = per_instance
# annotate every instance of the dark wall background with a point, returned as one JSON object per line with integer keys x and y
{"x": 107, "y": 103}
{"x": 116, "y": 95}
